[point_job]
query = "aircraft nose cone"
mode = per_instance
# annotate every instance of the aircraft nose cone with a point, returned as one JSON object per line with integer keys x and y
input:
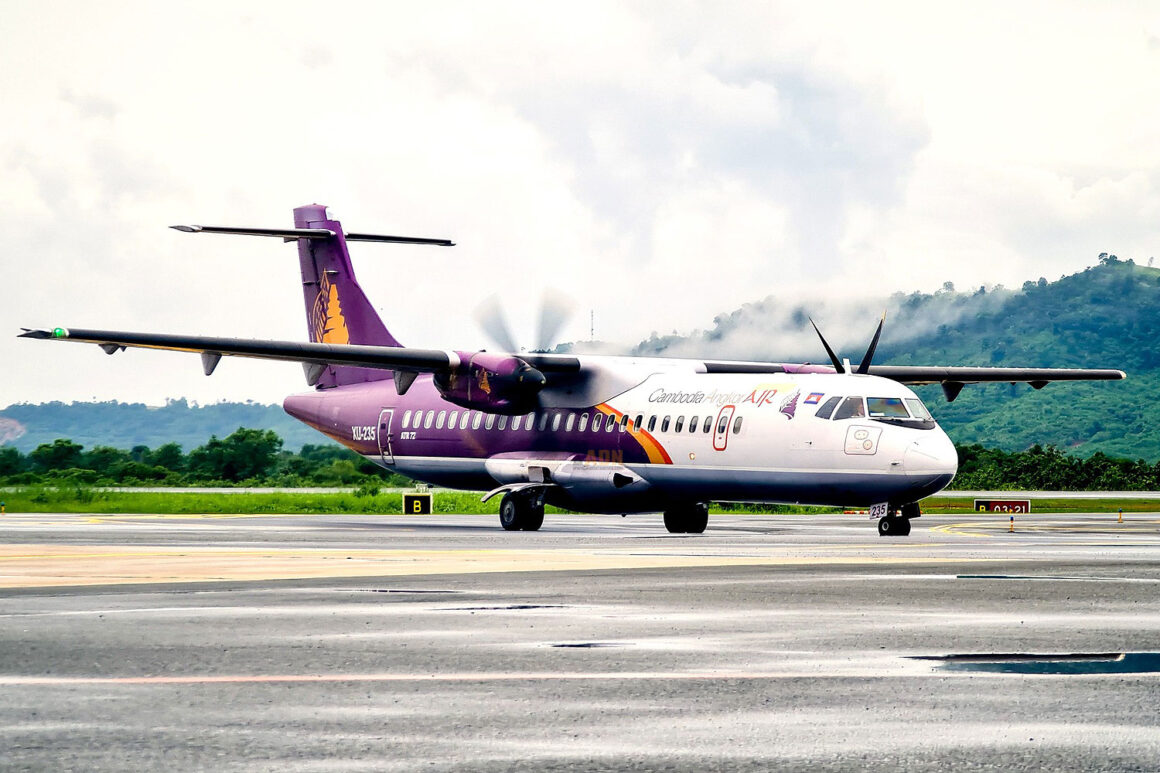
{"x": 931, "y": 462}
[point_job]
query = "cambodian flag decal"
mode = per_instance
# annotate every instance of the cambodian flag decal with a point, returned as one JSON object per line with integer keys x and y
{"x": 814, "y": 398}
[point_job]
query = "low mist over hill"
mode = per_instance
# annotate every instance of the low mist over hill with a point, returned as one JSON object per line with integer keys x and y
{"x": 1106, "y": 316}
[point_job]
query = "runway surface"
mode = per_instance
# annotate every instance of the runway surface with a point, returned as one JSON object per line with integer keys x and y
{"x": 442, "y": 642}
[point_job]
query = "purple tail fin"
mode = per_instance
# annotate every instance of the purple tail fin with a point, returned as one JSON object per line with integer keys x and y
{"x": 337, "y": 309}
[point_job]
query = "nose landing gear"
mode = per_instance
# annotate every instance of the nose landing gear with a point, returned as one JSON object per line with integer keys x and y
{"x": 898, "y": 525}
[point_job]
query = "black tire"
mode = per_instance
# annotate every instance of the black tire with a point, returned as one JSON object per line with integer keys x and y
{"x": 675, "y": 521}
{"x": 512, "y": 512}
{"x": 903, "y": 527}
{"x": 886, "y": 527}
{"x": 534, "y": 518}
{"x": 697, "y": 519}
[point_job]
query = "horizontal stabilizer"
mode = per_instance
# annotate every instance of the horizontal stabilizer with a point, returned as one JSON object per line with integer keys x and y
{"x": 290, "y": 234}
{"x": 283, "y": 233}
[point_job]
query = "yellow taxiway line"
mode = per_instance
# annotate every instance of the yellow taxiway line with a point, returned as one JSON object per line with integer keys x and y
{"x": 39, "y": 565}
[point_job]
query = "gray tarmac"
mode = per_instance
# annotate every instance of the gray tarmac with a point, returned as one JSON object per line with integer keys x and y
{"x": 599, "y": 643}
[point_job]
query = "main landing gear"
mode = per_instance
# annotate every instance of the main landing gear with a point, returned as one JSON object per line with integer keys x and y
{"x": 898, "y": 525}
{"x": 519, "y": 511}
{"x": 687, "y": 518}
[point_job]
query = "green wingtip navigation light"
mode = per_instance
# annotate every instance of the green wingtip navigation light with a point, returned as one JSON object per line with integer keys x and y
{"x": 59, "y": 332}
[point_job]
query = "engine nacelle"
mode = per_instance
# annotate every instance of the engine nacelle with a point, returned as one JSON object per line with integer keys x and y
{"x": 496, "y": 383}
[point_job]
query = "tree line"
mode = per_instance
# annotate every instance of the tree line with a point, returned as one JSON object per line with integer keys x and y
{"x": 1046, "y": 468}
{"x": 252, "y": 457}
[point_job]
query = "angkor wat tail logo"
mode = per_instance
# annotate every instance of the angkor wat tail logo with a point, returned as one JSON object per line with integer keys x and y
{"x": 327, "y": 325}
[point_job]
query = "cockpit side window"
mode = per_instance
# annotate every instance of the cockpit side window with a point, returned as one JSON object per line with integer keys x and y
{"x": 827, "y": 408}
{"x": 917, "y": 409}
{"x": 852, "y": 408}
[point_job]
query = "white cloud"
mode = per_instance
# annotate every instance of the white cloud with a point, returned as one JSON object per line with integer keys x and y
{"x": 661, "y": 163}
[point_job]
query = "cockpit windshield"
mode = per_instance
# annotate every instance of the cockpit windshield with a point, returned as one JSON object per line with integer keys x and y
{"x": 893, "y": 410}
{"x": 886, "y": 408}
{"x": 899, "y": 411}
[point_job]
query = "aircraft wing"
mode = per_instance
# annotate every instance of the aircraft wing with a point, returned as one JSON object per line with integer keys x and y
{"x": 313, "y": 356}
{"x": 383, "y": 357}
{"x": 952, "y": 378}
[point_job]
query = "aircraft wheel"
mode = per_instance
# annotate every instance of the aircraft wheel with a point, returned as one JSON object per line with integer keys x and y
{"x": 513, "y": 512}
{"x": 697, "y": 520}
{"x": 687, "y": 519}
{"x": 893, "y": 526}
{"x": 534, "y": 518}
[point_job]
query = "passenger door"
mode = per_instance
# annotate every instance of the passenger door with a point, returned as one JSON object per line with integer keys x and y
{"x": 384, "y": 435}
{"x": 721, "y": 430}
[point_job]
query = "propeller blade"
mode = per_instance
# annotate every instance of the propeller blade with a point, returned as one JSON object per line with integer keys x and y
{"x": 555, "y": 310}
{"x": 865, "y": 366}
{"x": 490, "y": 317}
{"x": 833, "y": 357}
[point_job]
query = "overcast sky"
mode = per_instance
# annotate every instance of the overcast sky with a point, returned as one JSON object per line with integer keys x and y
{"x": 658, "y": 162}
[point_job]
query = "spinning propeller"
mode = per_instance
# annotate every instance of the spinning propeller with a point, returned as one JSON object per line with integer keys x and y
{"x": 841, "y": 365}
{"x": 555, "y": 310}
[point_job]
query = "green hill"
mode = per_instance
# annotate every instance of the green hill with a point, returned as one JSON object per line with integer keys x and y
{"x": 125, "y": 425}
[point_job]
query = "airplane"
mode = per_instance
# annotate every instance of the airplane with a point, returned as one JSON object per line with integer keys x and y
{"x": 600, "y": 434}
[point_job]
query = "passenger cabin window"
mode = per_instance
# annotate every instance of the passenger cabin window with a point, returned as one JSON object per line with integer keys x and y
{"x": 886, "y": 407}
{"x": 430, "y": 417}
{"x": 556, "y": 422}
{"x": 639, "y": 423}
{"x": 466, "y": 417}
{"x": 451, "y": 419}
{"x": 665, "y": 424}
{"x": 708, "y": 424}
{"x": 652, "y": 423}
{"x": 543, "y": 421}
{"x": 475, "y": 422}
{"x": 439, "y": 421}
{"x": 502, "y": 422}
{"x": 722, "y": 425}
{"x": 569, "y": 422}
{"x": 611, "y": 425}
{"x": 583, "y": 422}
{"x": 737, "y": 425}
{"x": 693, "y": 425}
{"x": 680, "y": 425}
{"x": 597, "y": 420}
{"x": 623, "y": 421}
{"x": 852, "y": 408}
{"x": 490, "y": 421}
{"x": 827, "y": 408}
{"x": 406, "y": 419}
{"x": 516, "y": 420}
